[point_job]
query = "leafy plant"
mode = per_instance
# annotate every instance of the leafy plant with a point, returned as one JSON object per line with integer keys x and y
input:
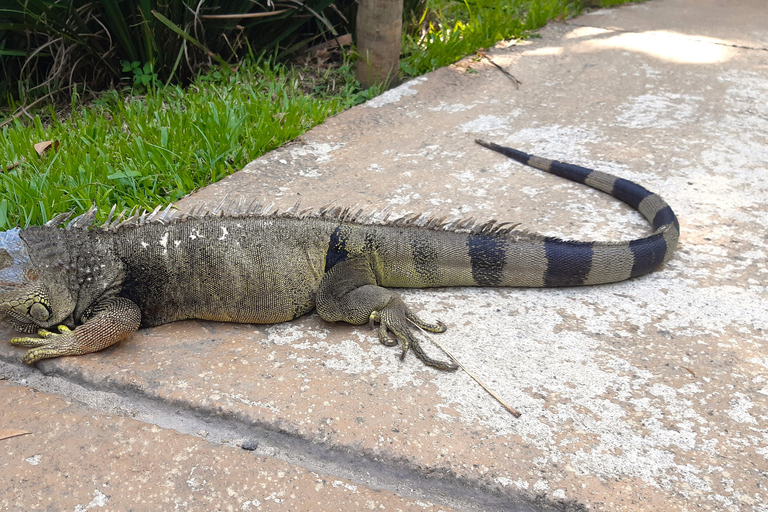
{"x": 47, "y": 46}
{"x": 143, "y": 76}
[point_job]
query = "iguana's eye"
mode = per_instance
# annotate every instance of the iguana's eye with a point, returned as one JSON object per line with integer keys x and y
{"x": 39, "y": 312}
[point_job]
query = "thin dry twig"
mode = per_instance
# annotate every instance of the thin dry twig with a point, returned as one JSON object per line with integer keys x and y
{"x": 517, "y": 82}
{"x": 12, "y": 432}
{"x": 22, "y": 110}
{"x": 514, "y": 412}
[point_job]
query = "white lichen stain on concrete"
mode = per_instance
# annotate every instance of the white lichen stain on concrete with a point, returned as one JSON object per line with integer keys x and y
{"x": 360, "y": 355}
{"x": 739, "y": 411}
{"x": 435, "y": 199}
{"x": 396, "y": 94}
{"x": 465, "y": 177}
{"x": 507, "y": 482}
{"x": 34, "y": 460}
{"x": 541, "y": 485}
{"x": 557, "y": 142}
{"x": 322, "y": 151}
{"x": 309, "y": 173}
{"x": 338, "y": 483}
{"x": 488, "y": 124}
{"x": 650, "y": 72}
{"x": 99, "y": 500}
{"x": 451, "y": 108}
{"x": 558, "y": 494}
{"x": 695, "y": 310}
{"x": 748, "y": 87}
{"x": 615, "y": 223}
{"x": 403, "y": 195}
{"x": 292, "y": 333}
{"x": 242, "y": 399}
{"x": 659, "y": 111}
{"x": 349, "y": 356}
{"x": 531, "y": 191}
{"x": 432, "y": 153}
{"x": 762, "y": 361}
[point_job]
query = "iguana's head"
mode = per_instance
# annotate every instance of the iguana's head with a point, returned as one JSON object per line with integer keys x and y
{"x": 29, "y": 301}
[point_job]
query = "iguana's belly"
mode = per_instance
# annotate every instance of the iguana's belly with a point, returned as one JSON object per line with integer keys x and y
{"x": 223, "y": 271}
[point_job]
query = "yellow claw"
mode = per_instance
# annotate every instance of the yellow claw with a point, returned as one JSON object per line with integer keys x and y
{"x": 37, "y": 354}
{"x": 49, "y": 344}
{"x": 29, "y": 342}
{"x": 42, "y": 340}
{"x": 374, "y": 318}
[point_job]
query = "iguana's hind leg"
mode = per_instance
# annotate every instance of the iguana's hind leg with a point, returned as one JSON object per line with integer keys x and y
{"x": 348, "y": 292}
{"x": 106, "y": 324}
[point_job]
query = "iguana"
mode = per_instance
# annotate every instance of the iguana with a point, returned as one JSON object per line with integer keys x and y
{"x": 97, "y": 284}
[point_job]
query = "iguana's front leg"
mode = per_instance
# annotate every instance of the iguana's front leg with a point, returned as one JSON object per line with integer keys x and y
{"x": 348, "y": 292}
{"x": 104, "y": 325}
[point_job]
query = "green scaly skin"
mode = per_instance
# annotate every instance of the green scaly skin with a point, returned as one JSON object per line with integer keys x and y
{"x": 96, "y": 285}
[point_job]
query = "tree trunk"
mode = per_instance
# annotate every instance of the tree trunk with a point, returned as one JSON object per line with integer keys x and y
{"x": 379, "y": 36}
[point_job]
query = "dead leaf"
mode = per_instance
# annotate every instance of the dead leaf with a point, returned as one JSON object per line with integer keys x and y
{"x": 12, "y": 432}
{"x": 42, "y": 147}
{"x": 12, "y": 166}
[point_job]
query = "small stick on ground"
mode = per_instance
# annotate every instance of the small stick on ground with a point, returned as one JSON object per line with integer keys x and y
{"x": 514, "y": 412}
{"x": 517, "y": 82}
{"x": 23, "y": 110}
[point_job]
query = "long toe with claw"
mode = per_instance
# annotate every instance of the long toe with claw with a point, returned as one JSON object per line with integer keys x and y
{"x": 49, "y": 344}
{"x": 394, "y": 318}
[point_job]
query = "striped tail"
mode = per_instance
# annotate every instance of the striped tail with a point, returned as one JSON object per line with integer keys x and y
{"x": 572, "y": 263}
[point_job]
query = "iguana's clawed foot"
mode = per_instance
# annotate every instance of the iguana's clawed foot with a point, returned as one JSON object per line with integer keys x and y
{"x": 49, "y": 344}
{"x": 394, "y": 318}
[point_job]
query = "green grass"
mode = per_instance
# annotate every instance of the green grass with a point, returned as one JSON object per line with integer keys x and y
{"x": 452, "y": 29}
{"x": 459, "y": 28}
{"x": 150, "y": 150}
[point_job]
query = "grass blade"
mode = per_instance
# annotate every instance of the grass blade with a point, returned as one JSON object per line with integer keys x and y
{"x": 168, "y": 23}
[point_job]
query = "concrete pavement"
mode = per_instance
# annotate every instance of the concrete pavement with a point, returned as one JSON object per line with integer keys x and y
{"x": 645, "y": 395}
